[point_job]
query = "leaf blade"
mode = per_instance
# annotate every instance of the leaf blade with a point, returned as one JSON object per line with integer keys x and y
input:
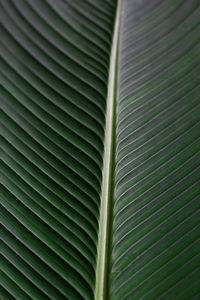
{"x": 53, "y": 100}
{"x": 157, "y": 170}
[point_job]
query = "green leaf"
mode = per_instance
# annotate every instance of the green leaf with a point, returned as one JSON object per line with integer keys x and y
{"x": 99, "y": 149}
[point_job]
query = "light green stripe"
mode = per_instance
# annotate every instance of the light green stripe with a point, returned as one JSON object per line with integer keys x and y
{"x": 106, "y": 194}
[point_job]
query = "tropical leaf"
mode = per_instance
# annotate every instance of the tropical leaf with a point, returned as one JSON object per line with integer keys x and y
{"x": 99, "y": 149}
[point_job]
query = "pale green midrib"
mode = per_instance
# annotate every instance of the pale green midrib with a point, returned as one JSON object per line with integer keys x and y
{"x": 107, "y": 174}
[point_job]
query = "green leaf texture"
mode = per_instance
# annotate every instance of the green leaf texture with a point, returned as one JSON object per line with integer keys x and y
{"x": 54, "y": 72}
{"x": 156, "y": 248}
{"x": 55, "y": 67}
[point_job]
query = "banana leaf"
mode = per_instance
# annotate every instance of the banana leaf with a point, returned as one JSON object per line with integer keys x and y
{"x": 99, "y": 149}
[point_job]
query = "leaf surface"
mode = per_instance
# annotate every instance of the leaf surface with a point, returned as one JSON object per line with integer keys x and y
{"x": 155, "y": 250}
{"x": 54, "y": 70}
{"x": 99, "y": 149}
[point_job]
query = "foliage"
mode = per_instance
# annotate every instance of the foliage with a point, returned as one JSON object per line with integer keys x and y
{"x": 56, "y": 62}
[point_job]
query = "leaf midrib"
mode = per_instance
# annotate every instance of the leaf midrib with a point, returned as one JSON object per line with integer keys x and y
{"x": 105, "y": 219}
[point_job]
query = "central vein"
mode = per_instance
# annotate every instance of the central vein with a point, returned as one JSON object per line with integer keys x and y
{"x": 108, "y": 173}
